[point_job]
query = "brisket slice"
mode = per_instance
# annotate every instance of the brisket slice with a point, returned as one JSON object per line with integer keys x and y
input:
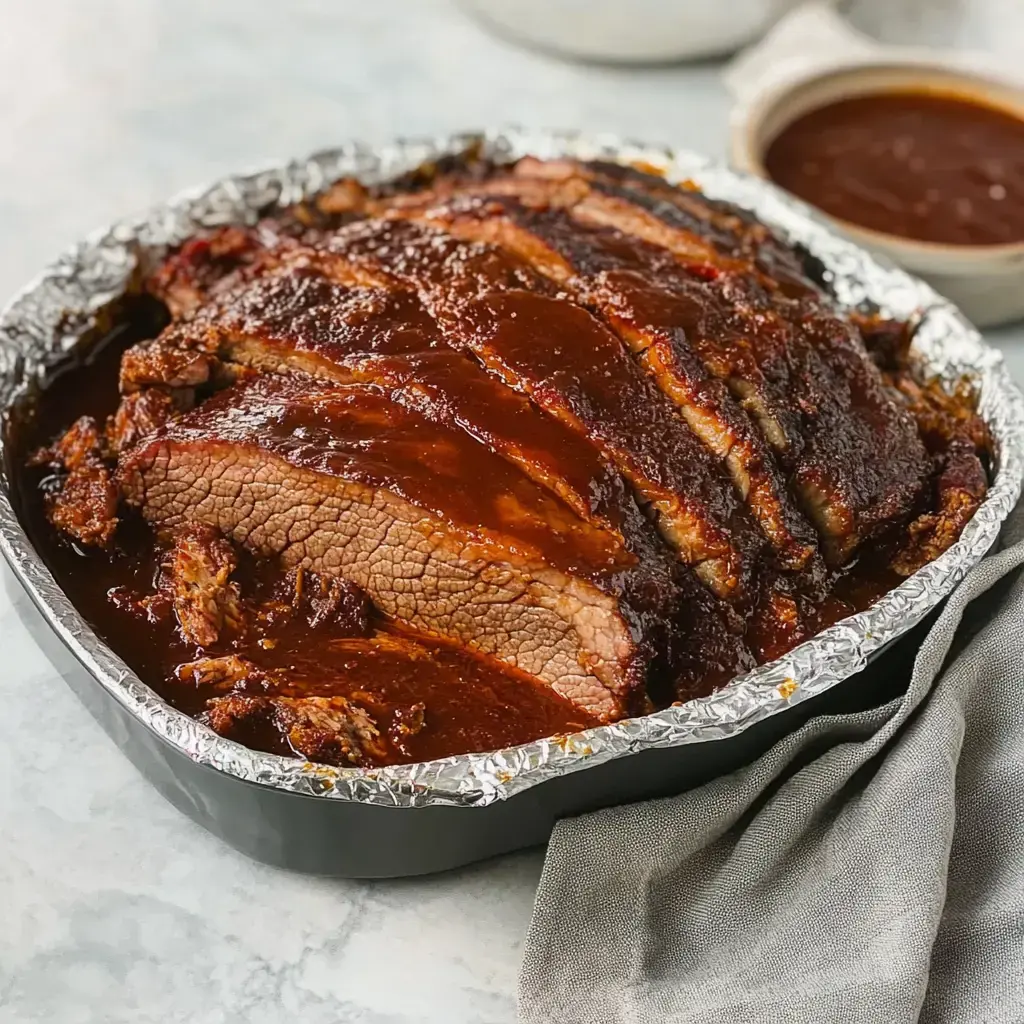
{"x": 188, "y": 277}
{"x": 732, "y": 232}
{"x": 438, "y": 531}
{"x": 799, "y": 369}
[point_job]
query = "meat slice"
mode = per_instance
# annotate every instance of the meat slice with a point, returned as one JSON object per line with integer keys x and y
{"x": 188, "y": 277}
{"x": 83, "y": 502}
{"x": 651, "y": 322}
{"x": 155, "y": 363}
{"x": 331, "y": 730}
{"x": 343, "y": 481}
{"x": 958, "y": 440}
{"x": 139, "y": 414}
{"x": 799, "y": 369}
{"x": 205, "y": 601}
{"x": 492, "y": 304}
{"x": 86, "y": 505}
{"x": 731, "y": 231}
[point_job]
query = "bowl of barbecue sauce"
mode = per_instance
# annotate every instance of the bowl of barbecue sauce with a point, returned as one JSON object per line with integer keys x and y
{"x": 921, "y": 163}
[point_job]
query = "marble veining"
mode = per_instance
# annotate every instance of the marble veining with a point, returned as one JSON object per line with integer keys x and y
{"x": 113, "y": 906}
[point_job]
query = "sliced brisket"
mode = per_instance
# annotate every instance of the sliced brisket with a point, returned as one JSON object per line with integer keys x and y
{"x": 296, "y": 319}
{"x": 560, "y": 415}
{"x": 800, "y": 371}
{"x": 439, "y": 532}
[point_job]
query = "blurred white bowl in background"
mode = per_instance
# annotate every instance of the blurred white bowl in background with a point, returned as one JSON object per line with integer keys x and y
{"x": 632, "y": 31}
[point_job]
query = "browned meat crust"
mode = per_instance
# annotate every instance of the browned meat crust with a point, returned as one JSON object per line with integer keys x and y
{"x": 168, "y": 365}
{"x": 959, "y": 440}
{"x": 940, "y": 416}
{"x": 189, "y": 276}
{"x": 960, "y": 485}
{"x": 330, "y": 730}
{"x": 139, "y": 413}
{"x": 198, "y": 568}
{"x": 85, "y": 506}
{"x": 731, "y": 232}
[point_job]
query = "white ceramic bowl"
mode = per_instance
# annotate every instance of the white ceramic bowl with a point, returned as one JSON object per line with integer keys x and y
{"x": 985, "y": 281}
{"x": 631, "y": 31}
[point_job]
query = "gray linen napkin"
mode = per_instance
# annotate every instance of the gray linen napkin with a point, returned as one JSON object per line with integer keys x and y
{"x": 869, "y": 868}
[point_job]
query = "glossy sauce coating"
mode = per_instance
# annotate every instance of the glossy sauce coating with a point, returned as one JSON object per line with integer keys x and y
{"x": 492, "y": 304}
{"x": 297, "y": 318}
{"x": 936, "y": 168}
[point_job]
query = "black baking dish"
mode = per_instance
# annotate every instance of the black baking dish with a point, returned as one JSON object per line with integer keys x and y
{"x": 422, "y": 818}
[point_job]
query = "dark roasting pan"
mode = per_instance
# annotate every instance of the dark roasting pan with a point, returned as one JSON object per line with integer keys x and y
{"x": 415, "y": 819}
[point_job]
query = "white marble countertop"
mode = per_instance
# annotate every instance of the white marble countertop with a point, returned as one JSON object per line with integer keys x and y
{"x": 114, "y": 906}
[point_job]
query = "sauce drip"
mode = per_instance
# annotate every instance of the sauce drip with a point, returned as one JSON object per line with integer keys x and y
{"x": 931, "y": 167}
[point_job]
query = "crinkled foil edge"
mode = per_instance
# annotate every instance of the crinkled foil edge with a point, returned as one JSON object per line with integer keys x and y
{"x": 68, "y": 299}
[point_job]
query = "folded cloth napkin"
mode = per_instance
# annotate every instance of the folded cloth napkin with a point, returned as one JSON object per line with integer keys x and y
{"x": 869, "y": 868}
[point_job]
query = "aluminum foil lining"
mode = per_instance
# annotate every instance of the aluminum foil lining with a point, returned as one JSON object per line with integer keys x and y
{"x": 67, "y": 300}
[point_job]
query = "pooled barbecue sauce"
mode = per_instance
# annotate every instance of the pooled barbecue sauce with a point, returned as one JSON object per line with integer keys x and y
{"x": 931, "y": 167}
{"x": 470, "y": 702}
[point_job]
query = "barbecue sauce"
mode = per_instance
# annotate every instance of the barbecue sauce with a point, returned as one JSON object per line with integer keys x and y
{"x": 926, "y": 166}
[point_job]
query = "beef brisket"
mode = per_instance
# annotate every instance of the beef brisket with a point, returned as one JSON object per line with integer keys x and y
{"x": 601, "y": 429}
